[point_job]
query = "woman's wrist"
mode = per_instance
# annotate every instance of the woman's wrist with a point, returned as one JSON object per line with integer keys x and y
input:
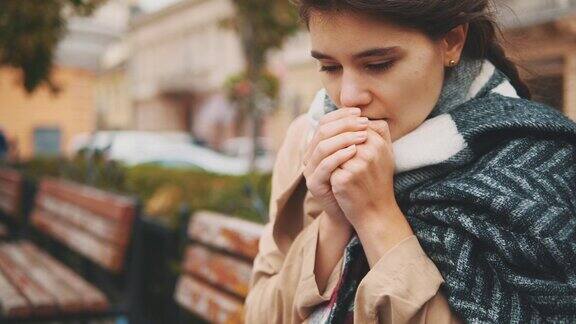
{"x": 336, "y": 224}
{"x": 381, "y": 230}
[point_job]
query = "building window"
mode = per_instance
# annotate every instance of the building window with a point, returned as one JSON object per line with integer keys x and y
{"x": 47, "y": 141}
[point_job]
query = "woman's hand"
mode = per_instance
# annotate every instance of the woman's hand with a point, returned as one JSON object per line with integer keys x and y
{"x": 335, "y": 141}
{"x": 365, "y": 183}
{"x": 364, "y": 189}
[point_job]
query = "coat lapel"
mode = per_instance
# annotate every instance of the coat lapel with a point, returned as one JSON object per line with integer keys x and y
{"x": 289, "y": 186}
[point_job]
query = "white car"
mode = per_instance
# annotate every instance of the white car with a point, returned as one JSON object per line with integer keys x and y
{"x": 166, "y": 149}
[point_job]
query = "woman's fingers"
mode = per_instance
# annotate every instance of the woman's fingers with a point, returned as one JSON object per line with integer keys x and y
{"x": 339, "y": 113}
{"x": 324, "y": 170}
{"x": 333, "y": 144}
{"x": 331, "y": 129}
{"x": 381, "y": 127}
{"x": 328, "y": 118}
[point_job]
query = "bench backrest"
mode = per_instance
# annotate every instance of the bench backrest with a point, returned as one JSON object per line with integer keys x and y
{"x": 11, "y": 185}
{"x": 217, "y": 266}
{"x": 94, "y": 223}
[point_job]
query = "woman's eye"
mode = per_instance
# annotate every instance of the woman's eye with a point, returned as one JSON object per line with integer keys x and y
{"x": 330, "y": 68}
{"x": 379, "y": 67}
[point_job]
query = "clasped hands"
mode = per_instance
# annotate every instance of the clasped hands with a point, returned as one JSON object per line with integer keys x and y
{"x": 349, "y": 167}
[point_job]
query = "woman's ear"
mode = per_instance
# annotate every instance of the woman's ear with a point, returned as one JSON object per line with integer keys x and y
{"x": 453, "y": 43}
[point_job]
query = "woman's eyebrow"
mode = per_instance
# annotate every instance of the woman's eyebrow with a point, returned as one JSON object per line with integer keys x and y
{"x": 380, "y": 51}
{"x": 384, "y": 51}
{"x": 320, "y": 56}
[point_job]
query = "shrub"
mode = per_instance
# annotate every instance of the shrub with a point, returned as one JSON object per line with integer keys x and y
{"x": 164, "y": 190}
{"x": 240, "y": 196}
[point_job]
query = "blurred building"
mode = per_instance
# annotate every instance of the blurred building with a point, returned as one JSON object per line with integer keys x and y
{"x": 43, "y": 123}
{"x": 113, "y": 100}
{"x": 182, "y": 53}
{"x": 541, "y": 36}
{"x": 178, "y": 54}
{"x": 181, "y": 56}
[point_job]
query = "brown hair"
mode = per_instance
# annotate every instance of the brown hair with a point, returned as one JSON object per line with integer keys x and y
{"x": 435, "y": 18}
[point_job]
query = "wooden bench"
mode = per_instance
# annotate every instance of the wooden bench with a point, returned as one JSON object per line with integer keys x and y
{"x": 35, "y": 284}
{"x": 93, "y": 226}
{"x": 216, "y": 266}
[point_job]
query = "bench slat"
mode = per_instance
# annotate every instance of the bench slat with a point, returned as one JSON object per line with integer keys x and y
{"x": 221, "y": 270}
{"x": 10, "y": 175}
{"x": 90, "y": 221}
{"x": 42, "y": 303}
{"x": 231, "y": 234}
{"x": 67, "y": 299}
{"x": 115, "y": 207}
{"x": 12, "y": 303}
{"x": 104, "y": 228}
{"x": 102, "y": 253}
{"x": 92, "y": 298}
{"x": 207, "y": 302}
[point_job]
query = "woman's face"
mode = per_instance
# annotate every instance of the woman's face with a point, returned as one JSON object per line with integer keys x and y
{"x": 388, "y": 71}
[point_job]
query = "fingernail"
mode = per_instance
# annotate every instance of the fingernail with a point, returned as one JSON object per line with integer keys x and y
{"x": 363, "y": 135}
{"x": 363, "y": 120}
{"x": 352, "y": 147}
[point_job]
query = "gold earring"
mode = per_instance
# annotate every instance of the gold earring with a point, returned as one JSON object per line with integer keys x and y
{"x": 452, "y": 63}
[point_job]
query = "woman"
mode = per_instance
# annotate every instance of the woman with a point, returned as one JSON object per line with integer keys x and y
{"x": 423, "y": 185}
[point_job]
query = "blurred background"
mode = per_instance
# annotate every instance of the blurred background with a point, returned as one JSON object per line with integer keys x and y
{"x": 166, "y": 67}
{"x": 183, "y": 104}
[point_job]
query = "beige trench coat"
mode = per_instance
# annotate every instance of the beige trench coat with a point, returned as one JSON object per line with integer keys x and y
{"x": 402, "y": 287}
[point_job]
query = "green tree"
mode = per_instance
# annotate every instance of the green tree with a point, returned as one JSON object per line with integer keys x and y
{"x": 29, "y": 33}
{"x": 262, "y": 25}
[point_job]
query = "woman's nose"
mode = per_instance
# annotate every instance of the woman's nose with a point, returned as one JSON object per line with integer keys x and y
{"x": 353, "y": 93}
